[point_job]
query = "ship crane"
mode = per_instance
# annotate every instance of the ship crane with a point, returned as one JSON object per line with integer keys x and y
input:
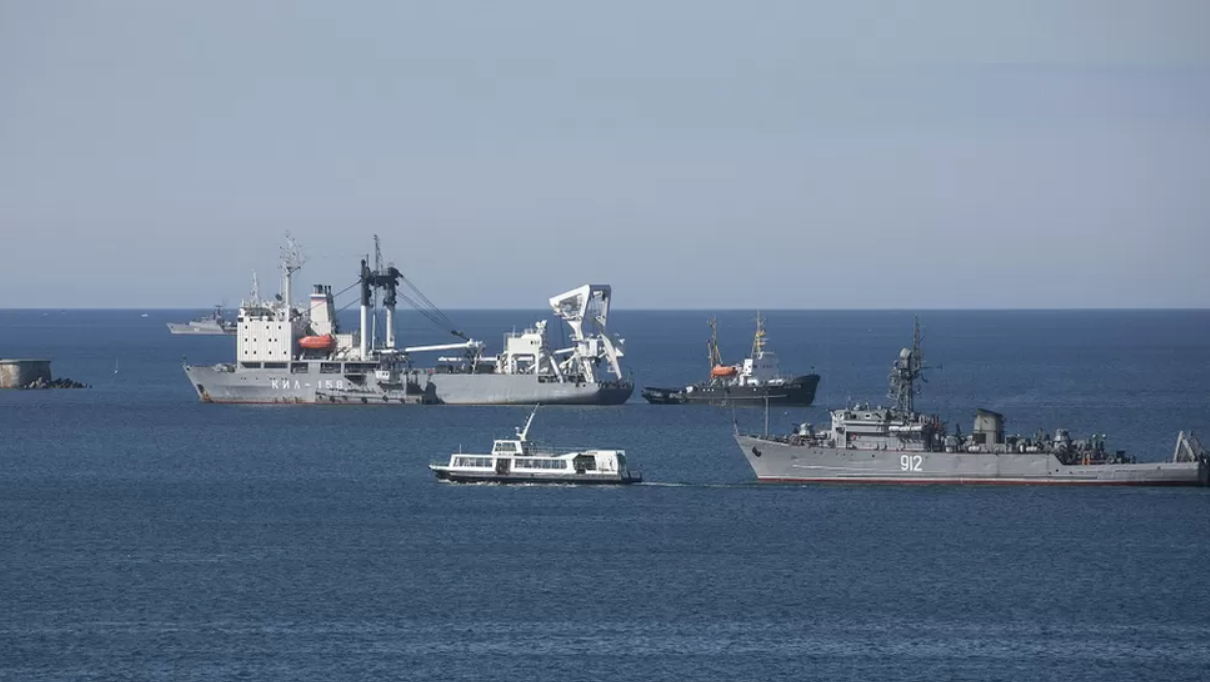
{"x": 589, "y": 303}
{"x": 385, "y": 277}
{"x": 471, "y": 344}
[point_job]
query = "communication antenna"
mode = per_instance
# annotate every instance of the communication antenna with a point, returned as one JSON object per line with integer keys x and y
{"x": 291, "y": 256}
{"x": 254, "y": 293}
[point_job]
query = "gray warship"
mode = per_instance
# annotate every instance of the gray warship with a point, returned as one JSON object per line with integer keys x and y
{"x": 898, "y": 445}
{"x": 214, "y": 324}
{"x": 288, "y": 354}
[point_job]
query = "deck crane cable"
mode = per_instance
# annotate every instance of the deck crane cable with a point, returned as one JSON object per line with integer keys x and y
{"x": 432, "y": 314}
{"x": 345, "y": 291}
{"x": 429, "y": 310}
{"x": 429, "y": 305}
{"x": 425, "y": 307}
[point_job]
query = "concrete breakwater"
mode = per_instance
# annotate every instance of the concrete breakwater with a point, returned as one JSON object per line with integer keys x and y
{"x": 31, "y": 373}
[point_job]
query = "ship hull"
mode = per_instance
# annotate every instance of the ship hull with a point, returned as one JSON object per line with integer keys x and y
{"x": 198, "y": 330}
{"x": 799, "y": 392}
{"x": 279, "y": 386}
{"x": 780, "y": 462}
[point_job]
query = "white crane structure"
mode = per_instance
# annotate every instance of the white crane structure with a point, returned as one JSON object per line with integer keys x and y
{"x": 585, "y": 309}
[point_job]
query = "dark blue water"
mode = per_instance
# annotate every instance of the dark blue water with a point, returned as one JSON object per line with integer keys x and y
{"x": 145, "y": 536}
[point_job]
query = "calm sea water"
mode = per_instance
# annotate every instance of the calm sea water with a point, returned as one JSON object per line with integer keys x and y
{"x": 145, "y": 536}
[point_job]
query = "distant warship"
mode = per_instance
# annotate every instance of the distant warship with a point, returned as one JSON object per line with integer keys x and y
{"x": 288, "y": 354}
{"x": 899, "y": 445}
{"x": 754, "y": 382}
{"x": 213, "y": 324}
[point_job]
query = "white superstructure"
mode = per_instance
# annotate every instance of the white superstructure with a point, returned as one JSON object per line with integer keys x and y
{"x": 517, "y": 460}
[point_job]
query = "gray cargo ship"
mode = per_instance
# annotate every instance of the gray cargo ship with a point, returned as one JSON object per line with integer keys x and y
{"x": 288, "y": 354}
{"x": 898, "y": 445}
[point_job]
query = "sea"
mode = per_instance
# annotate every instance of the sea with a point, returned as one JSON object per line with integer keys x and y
{"x": 147, "y": 536}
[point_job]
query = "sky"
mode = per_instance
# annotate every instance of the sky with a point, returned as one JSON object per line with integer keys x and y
{"x": 692, "y": 153}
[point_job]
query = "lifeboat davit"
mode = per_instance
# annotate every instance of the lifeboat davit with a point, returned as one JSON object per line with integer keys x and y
{"x": 722, "y": 371}
{"x": 325, "y": 342}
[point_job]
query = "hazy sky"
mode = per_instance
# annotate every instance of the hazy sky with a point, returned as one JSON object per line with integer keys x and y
{"x": 693, "y": 153}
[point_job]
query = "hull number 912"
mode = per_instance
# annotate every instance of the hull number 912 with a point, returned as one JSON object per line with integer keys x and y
{"x": 910, "y": 462}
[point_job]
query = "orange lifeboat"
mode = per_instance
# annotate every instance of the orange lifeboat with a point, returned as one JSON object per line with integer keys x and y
{"x": 722, "y": 371}
{"x": 325, "y": 342}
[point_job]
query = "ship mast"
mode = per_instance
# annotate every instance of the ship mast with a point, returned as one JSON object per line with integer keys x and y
{"x": 388, "y": 279}
{"x": 712, "y": 351}
{"x": 522, "y": 433}
{"x": 908, "y": 367}
{"x": 383, "y": 276}
{"x": 254, "y": 292}
{"x": 758, "y": 341}
{"x": 291, "y": 262}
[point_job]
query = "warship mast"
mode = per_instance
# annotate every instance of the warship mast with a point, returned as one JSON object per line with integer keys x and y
{"x": 908, "y": 367}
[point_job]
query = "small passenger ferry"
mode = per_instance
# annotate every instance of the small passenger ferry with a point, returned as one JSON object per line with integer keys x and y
{"x": 520, "y": 461}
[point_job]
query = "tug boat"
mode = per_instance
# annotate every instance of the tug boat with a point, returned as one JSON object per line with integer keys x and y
{"x": 757, "y": 381}
{"x": 518, "y": 460}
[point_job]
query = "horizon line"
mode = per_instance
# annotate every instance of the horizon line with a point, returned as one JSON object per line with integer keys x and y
{"x": 698, "y": 309}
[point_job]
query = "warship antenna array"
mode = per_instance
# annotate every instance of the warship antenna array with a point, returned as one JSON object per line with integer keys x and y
{"x": 908, "y": 367}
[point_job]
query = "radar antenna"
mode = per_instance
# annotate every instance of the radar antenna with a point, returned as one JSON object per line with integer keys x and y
{"x": 908, "y": 367}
